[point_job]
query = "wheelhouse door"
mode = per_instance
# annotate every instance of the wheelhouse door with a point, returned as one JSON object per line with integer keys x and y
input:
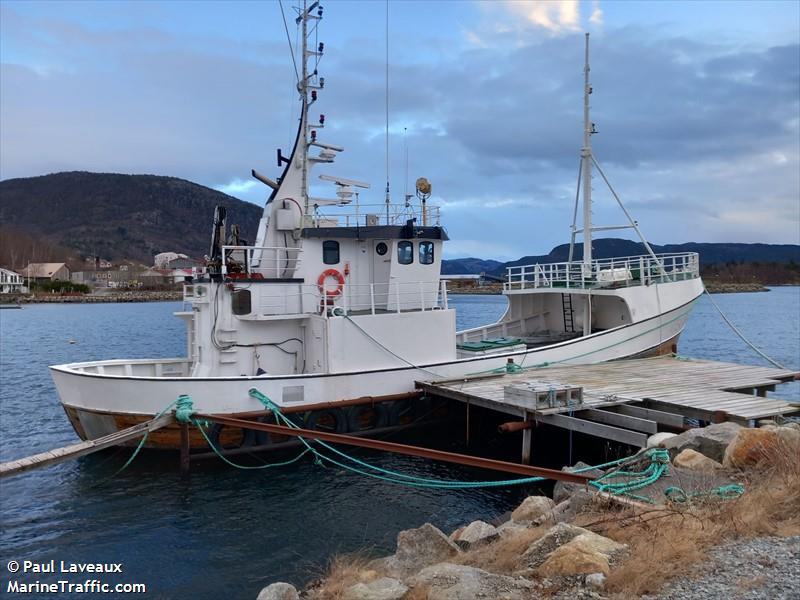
{"x": 381, "y": 270}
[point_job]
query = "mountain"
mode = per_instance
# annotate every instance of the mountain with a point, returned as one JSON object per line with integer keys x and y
{"x": 466, "y": 266}
{"x": 710, "y": 254}
{"x": 115, "y": 216}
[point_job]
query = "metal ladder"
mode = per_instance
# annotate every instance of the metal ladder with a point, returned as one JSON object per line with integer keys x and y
{"x": 566, "y": 305}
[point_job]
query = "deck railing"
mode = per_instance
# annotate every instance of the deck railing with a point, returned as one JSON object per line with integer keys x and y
{"x": 368, "y": 215}
{"x": 375, "y": 298}
{"x": 271, "y": 262}
{"x": 604, "y": 273}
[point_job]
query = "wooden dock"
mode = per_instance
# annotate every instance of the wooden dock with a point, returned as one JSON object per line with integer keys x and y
{"x": 627, "y": 400}
{"x": 57, "y": 455}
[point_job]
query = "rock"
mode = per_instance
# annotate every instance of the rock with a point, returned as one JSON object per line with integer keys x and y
{"x": 568, "y": 560}
{"x": 447, "y": 581}
{"x": 510, "y": 528}
{"x": 694, "y": 461}
{"x": 751, "y": 446}
{"x": 584, "y": 554}
{"x": 279, "y": 591}
{"x": 563, "y": 489}
{"x": 793, "y": 425}
{"x": 418, "y": 548}
{"x": 532, "y": 508}
{"x": 475, "y": 533}
{"x": 596, "y": 581}
{"x": 657, "y": 439}
{"x": 711, "y": 440}
{"x": 384, "y": 588}
{"x": 592, "y": 542}
{"x": 556, "y": 536}
{"x": 559, "y": 513}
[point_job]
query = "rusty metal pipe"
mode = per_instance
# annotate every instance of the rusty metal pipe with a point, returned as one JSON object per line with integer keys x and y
{"x": 514, "y": 426}
{"x": 461, "y": 459}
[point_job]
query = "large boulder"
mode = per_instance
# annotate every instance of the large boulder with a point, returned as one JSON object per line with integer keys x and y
{"x": 384, "y": 588}
{"x": 477, "y": 532}
{"x": 279, "y": 591}
{"x": 655, "y": 440}
{"x": 694, "y": 461}
{"x": 563, "y": 489}
{"x": 447, "y": 581}
{"x": 418, "y": 548}
{"x": 532, "y": 508}
{"x": 556, "y": 536}
{"x": 711, "y": 440}
{"x": 584, "y": 554}
{"x": 752, "y": 446}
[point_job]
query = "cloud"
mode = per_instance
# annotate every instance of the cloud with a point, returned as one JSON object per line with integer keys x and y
{"x": 597, "y": 13}
{"x": 555, "y": 16}
{"x": 689, "y": 129}
{"x": 237, "y": 187}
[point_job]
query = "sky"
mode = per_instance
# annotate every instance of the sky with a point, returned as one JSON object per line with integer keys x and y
{"x": 696, "y": 104}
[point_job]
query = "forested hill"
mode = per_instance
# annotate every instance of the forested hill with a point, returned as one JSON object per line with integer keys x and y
{"x": 720, "y": 254}
{"x": 114, "y": 216}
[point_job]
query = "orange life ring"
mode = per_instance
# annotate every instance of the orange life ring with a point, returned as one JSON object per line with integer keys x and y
{"x": 339, "y": 279}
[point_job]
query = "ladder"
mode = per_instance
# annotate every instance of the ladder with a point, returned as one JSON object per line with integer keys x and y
{"x": 566, "y": 305}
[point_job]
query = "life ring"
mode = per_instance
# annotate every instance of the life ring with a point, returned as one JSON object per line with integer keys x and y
{"x": 339, "y": 279}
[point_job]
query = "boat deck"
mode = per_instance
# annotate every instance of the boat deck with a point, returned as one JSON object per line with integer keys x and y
{"x": 626, "y": 396}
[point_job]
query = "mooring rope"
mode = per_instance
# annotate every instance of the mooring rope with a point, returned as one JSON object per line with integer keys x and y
{"x": 657, "y": 463}
{"x": 739, "y": 333}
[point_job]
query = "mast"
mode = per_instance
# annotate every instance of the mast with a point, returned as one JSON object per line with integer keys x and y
{"x": 586, "y": 168}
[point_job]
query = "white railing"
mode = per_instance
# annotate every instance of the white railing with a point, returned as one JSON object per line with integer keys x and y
{"x": 270, "y": 262}
{"x": 365, "y": 215}
{"x": 608, "y": 272}
{"x": 374, "y": 298}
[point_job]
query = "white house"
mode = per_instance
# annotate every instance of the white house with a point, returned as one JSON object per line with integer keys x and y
{"x": 11, "y": 282}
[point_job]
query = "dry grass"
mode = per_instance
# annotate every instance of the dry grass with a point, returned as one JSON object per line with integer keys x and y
{"x": 663, "y": 542}
{"x": 666, "y": 543}
{"x": 502, "y": 556}
{"x": 343, "y": 571}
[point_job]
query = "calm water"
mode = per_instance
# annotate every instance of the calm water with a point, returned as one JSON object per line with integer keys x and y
{"x": 227, "y": 533}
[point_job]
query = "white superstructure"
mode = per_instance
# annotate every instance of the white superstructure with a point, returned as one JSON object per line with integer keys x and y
{"x": 339, "y": 300}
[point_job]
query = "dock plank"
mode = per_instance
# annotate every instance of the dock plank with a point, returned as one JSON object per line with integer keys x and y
{"x": 672, "y": 388}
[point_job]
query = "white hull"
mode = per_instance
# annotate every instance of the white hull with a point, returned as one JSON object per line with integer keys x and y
{"x": 142, "y": 395}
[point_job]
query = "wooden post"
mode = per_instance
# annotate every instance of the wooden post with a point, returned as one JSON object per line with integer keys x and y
{"x": 185, "y": 459}
{"x": 527, "y": 438}
{"x": 467, "y": 422}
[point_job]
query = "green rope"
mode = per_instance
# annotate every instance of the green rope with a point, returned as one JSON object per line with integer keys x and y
{"x": 621, "y": 481}
{"x": 723, "y": 492}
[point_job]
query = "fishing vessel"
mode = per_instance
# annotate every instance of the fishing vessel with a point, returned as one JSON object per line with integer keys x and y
{"x": 337, "y": 301}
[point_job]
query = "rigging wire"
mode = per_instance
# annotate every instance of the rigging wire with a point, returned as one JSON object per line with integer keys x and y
{"x": 289, "y": 40}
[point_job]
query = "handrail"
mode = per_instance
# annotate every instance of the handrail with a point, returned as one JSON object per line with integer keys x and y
{"x": 617, "y": 271}
{"x": 303, "y": 298}
{"x": 365, "y": 215}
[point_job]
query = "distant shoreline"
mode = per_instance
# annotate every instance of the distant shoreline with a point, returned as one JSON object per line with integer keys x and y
{"x": 175, "y": 296}
{"x": 115, "y": 297}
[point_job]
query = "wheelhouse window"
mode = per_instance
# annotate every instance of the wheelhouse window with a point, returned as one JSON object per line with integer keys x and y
{"x": 426, "y": 253}
{"x": 405, "y": 253}
{"x": 330, "y": 252}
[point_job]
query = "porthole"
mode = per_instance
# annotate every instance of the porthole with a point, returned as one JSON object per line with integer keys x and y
{"x": 381, "y": 248}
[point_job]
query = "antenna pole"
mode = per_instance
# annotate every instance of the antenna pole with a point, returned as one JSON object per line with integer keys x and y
{"x": 586, "y": 169}
{"x": 586, "y": 166}
{"x": 303, "y": 89}
{"x": 388, "y": 201}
